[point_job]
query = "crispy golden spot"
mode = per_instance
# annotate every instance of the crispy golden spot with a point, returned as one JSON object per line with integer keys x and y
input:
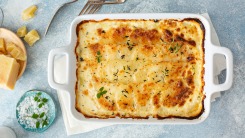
{"x": 193, "y": 30}
{"x": 145, "y": 36}
{"x": 189, "y": 80}
{"x": 122, "y": 31}
{"x": 126, "y": 103}
{"x": 192, "y": 42}
{"x": 147, "y": 49}
{"x": 96, "y": 79}
{"x": 85, "y": 92}
{"x": 179, "y": 97}
{"x": 168, "y": 35}
{"x": 95, "y": 48}
{"x": 143, "y": 97}
{"x": 100, "y": 31}
{"x": 90, "y": 85}
{"x": 106, "y": 104}
{"x": 172, "y": 23}
{"x": 130, "y": 88}
{"x": 156, "y": 100}
{"x": 120, "y": 34}
{"x": 179, "y": 83}
{"x": 182, "y": 35}
{"x": 181, "y": 38}
{"x": 190, "y": 58}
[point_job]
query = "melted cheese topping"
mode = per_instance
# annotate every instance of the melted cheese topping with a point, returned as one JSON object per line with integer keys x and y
{"x": 140, "y": 68}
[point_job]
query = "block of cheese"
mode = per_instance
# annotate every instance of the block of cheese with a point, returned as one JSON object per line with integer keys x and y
{"x": 15, "y": 51}
{"x": 9, "y": 69}
{"x": 2, "y": 46}
{"x": 31, "y": 37}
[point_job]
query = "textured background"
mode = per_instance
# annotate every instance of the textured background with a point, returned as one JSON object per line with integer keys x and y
{"x": 227, "y": 116}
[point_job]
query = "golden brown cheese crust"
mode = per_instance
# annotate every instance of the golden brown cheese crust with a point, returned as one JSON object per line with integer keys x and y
{"x": 140, "y": 68}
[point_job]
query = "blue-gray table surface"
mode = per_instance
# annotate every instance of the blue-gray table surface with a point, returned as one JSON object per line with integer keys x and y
{"x": 227, "y": 116}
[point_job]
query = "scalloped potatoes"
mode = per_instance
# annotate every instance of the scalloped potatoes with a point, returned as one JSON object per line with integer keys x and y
{"x": 140, "y": 68}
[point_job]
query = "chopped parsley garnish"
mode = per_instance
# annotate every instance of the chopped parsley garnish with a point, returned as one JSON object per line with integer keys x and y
{"x": 41, "y": 102}
{"x": 156, "y": 20}
{"x": 175, "y": 48}
{"x": 137, "y": 58}
{"x": 45, "y": 122}
{"x": 158, "y": 81}
{"x": 115, "y": 75}
{"x": 128, "y": 67}
{"x": 163, "y": 41}
{"x": 37, "y": 124}
{"x": 98, "y": 57}
{"x": 130, "y": 46}
{"x": 193, "y": 69}
{"x": 101, "y": 92}
{"x": 154, "y": 54}
{"x": 122, "y": 57}
{"x": 81, "y": 59}
{"x": 124, "y": 91}
{"x": 35, "y": 116}
{"x": 165, "y": 72}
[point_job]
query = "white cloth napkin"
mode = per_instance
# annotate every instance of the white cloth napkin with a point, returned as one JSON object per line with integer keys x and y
{"x": 73, "y": 127}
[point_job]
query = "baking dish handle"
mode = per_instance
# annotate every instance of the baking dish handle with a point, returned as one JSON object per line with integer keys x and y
{"x": 229, "y": 69}
{"x": 51, "y": 80}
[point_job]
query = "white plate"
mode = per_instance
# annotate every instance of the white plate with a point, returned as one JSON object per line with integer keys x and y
{"x": 209, "y": 88}
{"x": 6, "y": 132}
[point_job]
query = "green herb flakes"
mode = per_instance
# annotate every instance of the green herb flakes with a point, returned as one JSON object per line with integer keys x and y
{"x": 130, "y": 46}
{"x": 101, "y": 92}
{"x": 99, "y": 56}
{"x": 37, "y": 124}
{"x": 35, "y": 116}
{"x": 175, "y": 48}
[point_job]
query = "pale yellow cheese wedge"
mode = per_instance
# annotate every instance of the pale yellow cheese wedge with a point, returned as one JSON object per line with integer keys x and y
{"x": 15, "y": 51}
{"x": 22, "y": 31}
{"x": 29, "y": 12}
{"x": 2, "y": 46}
{"x": 9, "y": 69}
{"x": 31, "y": 37}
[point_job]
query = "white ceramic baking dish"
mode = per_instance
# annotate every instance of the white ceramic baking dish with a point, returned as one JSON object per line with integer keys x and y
{"x": 209, "y": 88}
